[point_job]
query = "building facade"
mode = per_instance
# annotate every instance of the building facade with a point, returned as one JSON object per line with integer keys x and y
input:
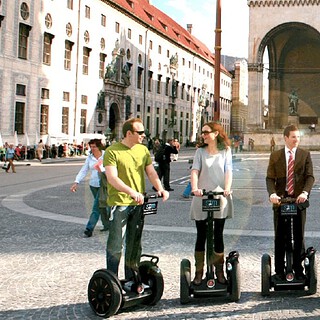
{"x": 73, "y": 68}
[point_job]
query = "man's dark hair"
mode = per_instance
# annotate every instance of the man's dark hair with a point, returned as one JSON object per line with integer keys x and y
{"x": 288, "y": 129}
{"x": 128, "y": 125}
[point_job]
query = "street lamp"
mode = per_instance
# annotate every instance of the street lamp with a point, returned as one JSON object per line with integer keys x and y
{"x": 173, "y": 70}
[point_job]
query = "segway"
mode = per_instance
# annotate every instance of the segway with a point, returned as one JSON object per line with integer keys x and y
{"x": 210, "y": 285}
{"x": 288, "y": 209}
{"x": 107, "y": 294}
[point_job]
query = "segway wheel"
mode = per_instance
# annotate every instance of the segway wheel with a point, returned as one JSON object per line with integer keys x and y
{"x": 235, "y": 282}
{"x": 185, "y": 281}
{"x": 265, "y": 275}
{"x": 151, "y": 275}
{"x": 104, "y": 294}
{"x": 313, "y": 276}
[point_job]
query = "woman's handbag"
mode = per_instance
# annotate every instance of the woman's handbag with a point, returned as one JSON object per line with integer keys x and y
{"x": 5, "y": 166}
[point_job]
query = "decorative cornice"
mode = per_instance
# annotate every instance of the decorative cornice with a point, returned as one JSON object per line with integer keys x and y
{"x": 282, "y": 3}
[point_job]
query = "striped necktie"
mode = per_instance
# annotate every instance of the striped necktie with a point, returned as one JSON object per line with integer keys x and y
{"x": 290, "y": 180}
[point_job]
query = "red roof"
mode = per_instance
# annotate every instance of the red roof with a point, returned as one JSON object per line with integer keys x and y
{"x": 152, "y": 16}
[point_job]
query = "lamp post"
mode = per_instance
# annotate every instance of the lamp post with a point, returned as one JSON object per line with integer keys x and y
{"x": 172, "y": 104}
{"x": 217, "y": 56}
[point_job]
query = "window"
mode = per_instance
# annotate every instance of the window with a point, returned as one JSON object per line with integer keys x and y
{"x": 84, "y": 99}
{"x": 20, "y": 90}
{"x": 70, "y": 4}
{"x": 103, "y": 20}
{"x": 159, "y": 83}
{"x": 48, "y": 21}
{"x": 47, "y": 43}
{"x": 150, "y": 44}
{"x": 129, "y": 33}
{"x": 167, "y": 86}
{"x": 117, "y": 27}
{"x": 102, "y": 65}
{"x": 139, "y": 80}
{"x": 67, "y": 55}
{"x": 44, "y": 119}
{"x": 168, "y": 53}
{"x": 140, "y": 39}
{"x": 150, "y": 80}
{"x": 69, "y": 29}
{"x": 182, "y": 91}
{"x": 45, "y": 93}
{"x": 83, "y": 121}
{"x": 86, "y": 36}
{"x": 23, "y": 40}
{"x": 87, "y": 12}
{"x": 138, "y": 108}
{"x": 85, "y": 60}
{"x": 66, "y": 96}
{"x": 188, "y": 93}
{"x": 102, "y": 43}
{"x": 159, "y": 49}
{"x": 65, "y": 120}
{"x": 19, "y": 117}
{"x": 24, "y": 11}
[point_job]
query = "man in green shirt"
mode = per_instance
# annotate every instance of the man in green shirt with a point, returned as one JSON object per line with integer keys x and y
{"x": 126, "y": 163}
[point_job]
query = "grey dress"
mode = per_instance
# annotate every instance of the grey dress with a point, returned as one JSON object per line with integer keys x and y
{"x": 212, "y": 170}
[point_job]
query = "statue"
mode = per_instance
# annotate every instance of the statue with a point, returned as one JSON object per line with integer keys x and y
{"x": 293, "y": 103}
{"x": 125, "y": 75}
{"x": 109, "y": 71}
{"x": 174, "y": 61}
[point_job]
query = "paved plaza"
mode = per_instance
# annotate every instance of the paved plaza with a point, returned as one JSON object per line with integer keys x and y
{"x": 46, "y": 262}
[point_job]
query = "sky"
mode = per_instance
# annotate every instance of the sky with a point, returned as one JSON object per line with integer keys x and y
{"x": 202, "y": 15}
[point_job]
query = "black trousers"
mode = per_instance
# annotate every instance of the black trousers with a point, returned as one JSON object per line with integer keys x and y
{"x": 164, "y": 172}
{"x": 218, "y": 227}
{"x": 282, "y": 230}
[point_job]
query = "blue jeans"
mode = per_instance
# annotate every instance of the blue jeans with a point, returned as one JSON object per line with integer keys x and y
{"x": 187, "y": 190}
{"x": 95, "y": 213}
{"x": 125, "y": 228}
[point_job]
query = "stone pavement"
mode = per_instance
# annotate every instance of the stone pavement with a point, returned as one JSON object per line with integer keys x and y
{"x": 46, "y": 263}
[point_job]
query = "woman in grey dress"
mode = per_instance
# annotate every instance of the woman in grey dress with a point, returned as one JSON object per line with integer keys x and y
{"x": 211, "y": 170}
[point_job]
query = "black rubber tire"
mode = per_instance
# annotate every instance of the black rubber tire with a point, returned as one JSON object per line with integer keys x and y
{"x": 265, "y": 275}
{"x": 150, "y": 274}
{"x": 235, "y": 285}
{"x": 313, "y": 275}
{"x": 185, "y": 281}
{"x": 104, "y": 294}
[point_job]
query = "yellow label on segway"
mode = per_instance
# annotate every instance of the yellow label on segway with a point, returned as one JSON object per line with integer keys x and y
{"x": 210, "y": 204}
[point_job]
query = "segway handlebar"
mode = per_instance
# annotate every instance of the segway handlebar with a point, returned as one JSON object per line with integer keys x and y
{"x": 212, "y": 193}
{"x": 288, "y": 200}
{"x": 148, "y": 196}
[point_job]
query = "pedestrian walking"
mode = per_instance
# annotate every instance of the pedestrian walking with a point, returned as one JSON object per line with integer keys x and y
{"x": 211, "y": 170}
{"x": 163, "y": 157}
{"x": 93, "y": 164}
{"x": 10, "y": 153}
{"x": 126, "y": 164}
{"x": 290, "y": 174}
{"x": 39, "y": 150}
{"x": 176, "y": 143}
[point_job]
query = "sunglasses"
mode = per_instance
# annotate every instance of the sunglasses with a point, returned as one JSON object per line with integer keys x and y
{"x": 206, "y": 132}
{"x": 139, "y": 132}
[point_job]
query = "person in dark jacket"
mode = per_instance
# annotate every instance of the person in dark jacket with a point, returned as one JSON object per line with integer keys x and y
{"x": 164, "y": 165}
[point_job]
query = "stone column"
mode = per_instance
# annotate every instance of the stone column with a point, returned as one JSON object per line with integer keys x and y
{"x": 255, "y": 96}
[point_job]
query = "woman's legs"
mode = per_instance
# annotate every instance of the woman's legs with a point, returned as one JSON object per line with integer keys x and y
{"x": 199, "y": 252}
{"x": 218, "y": 259}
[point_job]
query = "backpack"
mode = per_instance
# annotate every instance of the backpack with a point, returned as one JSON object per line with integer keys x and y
{"x": 160, "y": 155}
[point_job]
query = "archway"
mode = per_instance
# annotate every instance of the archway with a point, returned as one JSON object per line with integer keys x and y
{"x": 293, "y": 50}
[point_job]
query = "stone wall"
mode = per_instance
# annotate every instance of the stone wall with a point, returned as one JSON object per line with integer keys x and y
{"x": 262, "y": 140}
